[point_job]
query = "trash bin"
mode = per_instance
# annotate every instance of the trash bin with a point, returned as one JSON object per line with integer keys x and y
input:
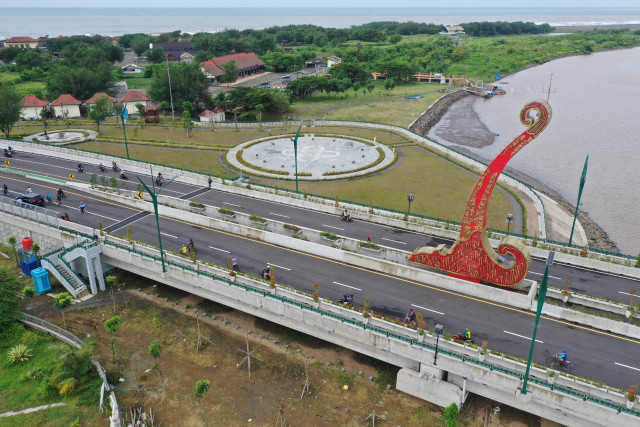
{"x": 27, "y": 243}
{"x": 41, "y": 280}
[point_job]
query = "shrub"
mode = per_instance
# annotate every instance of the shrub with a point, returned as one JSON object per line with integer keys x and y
{"x": 28, "y": 292}
{"x": 196, "y": 204}
{"x": 451, "y": 415}
{"x": 631, "y": 394}
{"x": 329, "y": 235}
{"x": 292, "y": 227}
{"x": 19, "y": 353}
{"x": 369, "y": 245}
{"x": 257, "y": 218}
{"x": 226, "y": 211}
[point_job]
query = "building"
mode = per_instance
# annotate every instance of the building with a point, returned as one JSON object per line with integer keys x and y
{"x": 174, "y": 51}
{"x": 333, "y": 60}
{"x": 31, "y": 107}
{"x": 21, "y": 42}
{"x": 132, "y": 69}
{"x": 66, "y": 106}
{"x": 247, "y": 64}
{"x": 453, "y": 29}
{"x": 132, "y": 98}
{"x": 93, "y": 99}
{"x": 187, "y": 57}
{"x": 212, "y": 116}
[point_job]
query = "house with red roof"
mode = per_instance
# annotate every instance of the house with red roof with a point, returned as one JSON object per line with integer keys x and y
{"x": 66, "y": 106}
{"x": 212, "y": 116}
{"x": 247, "y": 64}
{"x": 21, "y": 42}
{"x": 132, "y": 98}
{"x": 95, "y": 97}
{"x": 31, "y": 107}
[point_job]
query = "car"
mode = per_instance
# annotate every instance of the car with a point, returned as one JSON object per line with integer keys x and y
{"x": 31, "y": 199}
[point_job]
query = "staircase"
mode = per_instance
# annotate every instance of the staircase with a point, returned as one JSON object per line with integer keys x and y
{"x": 56, "y": 263}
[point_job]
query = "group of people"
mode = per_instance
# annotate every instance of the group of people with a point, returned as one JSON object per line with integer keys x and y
{"x": 188, "y": 248}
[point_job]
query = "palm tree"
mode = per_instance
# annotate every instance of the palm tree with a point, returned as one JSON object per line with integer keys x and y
{"x": 13, "y": 242}
{"x": 74, "y": 366}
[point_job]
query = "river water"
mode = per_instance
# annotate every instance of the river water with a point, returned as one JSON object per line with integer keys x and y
{"x": 595, "y": 101}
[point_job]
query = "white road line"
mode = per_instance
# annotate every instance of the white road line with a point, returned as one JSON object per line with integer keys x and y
{"x": 625, "y": 293}
{"x": 627, "y": 366}
{"x": 91, "y": 213}
{"x": 428, "y": 309}
{"x": 542, "y": 274}
{"x": 328, "y": 226}
{"x": 279, "y": 266}
{"x": 218, "y": 249}
{"x": 283, "y": 216}
{"x": 170, "y": 235}
{"x": 347, "y": 286}
{"x": 231, "y": 204}
{"x": 132, "y": 222}
{"x": 390, "y": 240}
{"x": 521, "y": 336}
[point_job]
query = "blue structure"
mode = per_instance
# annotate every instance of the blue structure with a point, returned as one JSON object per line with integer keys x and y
{"x": 28, "y": 261}
{"x": 41, "y": 280}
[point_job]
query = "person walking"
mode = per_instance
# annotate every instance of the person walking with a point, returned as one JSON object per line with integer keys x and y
{"x": 369, "y": 238}
{"x": 29, "y": 189}
{"x": 49, "y": 199}
{"x": 184, "y": 250}
{"x": 210, "y": 181}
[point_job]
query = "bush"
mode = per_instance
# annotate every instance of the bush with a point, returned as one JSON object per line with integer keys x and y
{"x": 451, "y": 415}
{"x": 196, "y": 204}
{"x": 226, "y": 211}
{"x": 19, "y": 353}
{"x": 257, "y": 218}
{"x": 28, "y": 292}
{"x": 329, "y": 235}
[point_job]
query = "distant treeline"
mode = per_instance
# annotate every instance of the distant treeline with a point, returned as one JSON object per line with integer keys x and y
{"x": 499, "y": 28}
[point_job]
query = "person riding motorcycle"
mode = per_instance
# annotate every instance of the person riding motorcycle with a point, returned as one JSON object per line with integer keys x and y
{"x": 562, "y": 355}
{"x": 234, "y": 263}
{"x": 5, "y": 189}
{"x": 345, "y": 215}
{"x": 60, "y": 193}
{"x": 101, "y": 167}
{"x": 123, "y": 175}
{"x": 412, "y": 316}
{"x": 65, "y": 216}
{"x": 265, "y": 273}
{"x": 80, "y": 167}
{"x": 115, "y": 167}
{"x": 466, "y": 335}
{"x": 49, "y": 198}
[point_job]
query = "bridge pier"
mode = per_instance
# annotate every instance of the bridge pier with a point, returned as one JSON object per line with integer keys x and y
{"x": 430, "y": 384}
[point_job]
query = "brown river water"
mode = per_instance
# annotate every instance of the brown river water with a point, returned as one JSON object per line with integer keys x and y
{"x": 596, "y": 102}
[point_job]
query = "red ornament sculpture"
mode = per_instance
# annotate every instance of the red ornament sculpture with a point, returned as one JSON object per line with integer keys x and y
{"x": 471, "y": 256}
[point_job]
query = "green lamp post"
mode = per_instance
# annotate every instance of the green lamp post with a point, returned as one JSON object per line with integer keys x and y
{"x": 583, "y": 178}
{"x": 123, "y": 116}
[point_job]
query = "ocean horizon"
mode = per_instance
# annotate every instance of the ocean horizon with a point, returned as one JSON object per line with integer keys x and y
{"x": 115, "y": 21}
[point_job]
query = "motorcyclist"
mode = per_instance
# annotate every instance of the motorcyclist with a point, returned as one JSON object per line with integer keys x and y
{"x": 412, "y": 315}
{"x": 562, "y": 355}
{"x": 159, "y": 179}
{"x": 49, "y": 198}
{"x": 60, "y": 193}
{"x": 80, "y": 167}
{"x": 101, "y": 167}
{"x": 123, "y": 175}
{"x": 234, "y": 263}
{"x": 114, "y": 166}
{"x": 65, "y": 216}
{"x": 82, "y": 207}
{"x": 265, "y": 272}
{"x": 5, "y": 189}
{"x": 466, "y": 335}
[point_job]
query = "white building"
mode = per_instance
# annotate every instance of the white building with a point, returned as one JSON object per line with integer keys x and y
{"x": 31, "y": 107}
{"x": 66, "y": 106}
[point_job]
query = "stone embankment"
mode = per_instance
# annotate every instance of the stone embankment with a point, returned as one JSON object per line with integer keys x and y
{"x": 433, "y": 115}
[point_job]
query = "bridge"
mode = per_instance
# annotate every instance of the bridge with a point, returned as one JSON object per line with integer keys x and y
{"x": 458, "y": 369}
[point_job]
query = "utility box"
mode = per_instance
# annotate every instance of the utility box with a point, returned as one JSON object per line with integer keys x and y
{"x": 27, "y": 243}
{"x": 28, "y": 261}
{"x": 41, "y": 280}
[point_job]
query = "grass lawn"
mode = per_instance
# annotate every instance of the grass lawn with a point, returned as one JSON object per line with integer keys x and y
{"x": 440, "y": 188}
{"x": 137, "y": 81}
{"x": 8, "y": 77}
{"x": 30, "y": 88}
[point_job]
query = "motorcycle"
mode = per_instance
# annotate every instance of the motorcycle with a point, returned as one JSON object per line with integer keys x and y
{"x": 5, "y": 191}
{"x": 346, "y": 218}
{"x": 409, "y": 320}
{"x": 265, "y": 274}
{"x": 115, "y": 168}
{"x": 101, "y": 167}
{"x": 80, "y": 168}
{"x": 346, "y": 298}
{"x": 9, "y": 153}
{"x": 159, "y": 182}
{"x": 460, "y": 337}
{"x": 123, "y": 176}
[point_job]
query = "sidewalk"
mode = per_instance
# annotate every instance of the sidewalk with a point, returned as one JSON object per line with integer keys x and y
{"x": 559, "y": 222}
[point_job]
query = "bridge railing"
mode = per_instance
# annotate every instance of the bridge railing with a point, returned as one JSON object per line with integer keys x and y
{"x": 38, "y": 214}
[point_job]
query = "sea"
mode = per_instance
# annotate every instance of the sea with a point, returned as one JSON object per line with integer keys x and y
{"x": 594, "y": 97}
{"x": 114, "y": 21}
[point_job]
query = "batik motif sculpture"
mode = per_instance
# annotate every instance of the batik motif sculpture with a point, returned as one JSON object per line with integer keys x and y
{"x": 471, "y": 256}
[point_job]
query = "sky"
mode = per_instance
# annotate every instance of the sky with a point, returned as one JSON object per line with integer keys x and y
{"x": 325, "y": 3}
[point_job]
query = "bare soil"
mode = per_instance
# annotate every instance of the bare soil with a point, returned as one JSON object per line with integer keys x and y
{"x": 234, "y": 399}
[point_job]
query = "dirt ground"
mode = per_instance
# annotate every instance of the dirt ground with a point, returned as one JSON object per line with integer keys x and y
{"x": 161, "y": 314}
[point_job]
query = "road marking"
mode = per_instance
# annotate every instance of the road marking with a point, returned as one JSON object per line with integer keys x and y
{"x": 127, "y": 221}
{"x": 347, "y": 286}
{"x": 626, "y": 293}
{"x": 90, "y": 213}
{"x": 627, "y": 366}
{"x": 279, "y": 266}
{"x": 283, "y": 216}
{"x": 337, "y": 228}
{"x": 170, "y": 235}
{"x": 521, "y": 336}
{"x": 232, "y": 204}
{"x": 218, "y": 249}
{"x": 542, "y": 274}
{"x": 390, "y": 240}
{"x": 428, "y": 309}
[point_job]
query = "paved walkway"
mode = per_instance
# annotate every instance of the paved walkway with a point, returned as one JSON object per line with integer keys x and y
{"x": 29, "y": 410}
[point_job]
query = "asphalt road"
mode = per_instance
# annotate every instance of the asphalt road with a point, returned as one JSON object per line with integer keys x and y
{"x": 595, "y": 354}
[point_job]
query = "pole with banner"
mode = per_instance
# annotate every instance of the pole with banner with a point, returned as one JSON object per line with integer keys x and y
{"x": 295, "y": 152}
{"x": 583, "y": 178}
{"x": 542, "y": 294}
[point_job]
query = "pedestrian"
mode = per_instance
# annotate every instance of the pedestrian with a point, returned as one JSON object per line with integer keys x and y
{"x": 369, "y": 238}
{"x": 29, "y": 189}
{"x": 49, "y": 199}
{"x": 210, "y": 181}
{"x": 184, "y": 250}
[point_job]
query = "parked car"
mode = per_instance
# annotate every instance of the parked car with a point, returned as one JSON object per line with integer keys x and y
{"x": 31, "y": 199}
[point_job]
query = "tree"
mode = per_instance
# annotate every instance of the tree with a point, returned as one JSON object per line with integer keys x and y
{"x": 155, "y": 55}
{"x": 200, "y": 390}
{"x": 351, "y": 70}
{"x": 13, "y": 242}
{"x": 389, "y": 84}
{"x": 187, "y": 123}
{"x": 231, "y": 72}
{"x": 62, "y": 301}
{"x": 9, "y": 108}
{"x": 396, "y": 69}
{"x": 141, "y": 111}
{"x": 9, "y": 299}
{"x": 451, "y": 415}
{"x": 112, "y": 325}
{"x": 99, "y": 111}
{"x": 74, "y": 366}
{"x": 165, "y": 107}
{"x": 188, "y": 83}
{"x": 81, "y": 82}
{"x": 154, "y": 351}
{"x": 36, "y": 249}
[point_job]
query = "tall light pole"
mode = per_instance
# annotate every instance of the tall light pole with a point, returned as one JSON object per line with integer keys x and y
{"x": 410, "y": 199}
{"x": 583, "y": 178}
{"x": 123, "y": 116}
{"x": 173, "y": 113}
{"x": 542, "y": 294}
{"x": 154, "y": 199}
{"x": 295, "y": 152}
{"x": 438, "y": 333}
{"x": 509, "y": 220}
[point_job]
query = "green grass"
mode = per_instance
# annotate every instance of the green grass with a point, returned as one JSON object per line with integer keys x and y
{"x": 18, "y": 393}
{"x": 137, "y": 81}
{"x": 8, "y": 77}
{"x": 30, "y": 88}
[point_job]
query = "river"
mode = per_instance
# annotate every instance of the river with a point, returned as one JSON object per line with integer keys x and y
{"x": 595, "y": 103}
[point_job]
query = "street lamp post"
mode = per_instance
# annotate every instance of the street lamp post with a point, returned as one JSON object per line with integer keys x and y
{"x": 295, "y": 152}
{"x": 583, "y": 178}
{"x": 542, "y": 294}
{"x": 173, "y": 113}
{"x": 123, "y": 116}
{"x": 438, "y": 333}
{"x": 509, "y": 220}
{"x": 154, "y": 199}
{"x": 410, "y": 199}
